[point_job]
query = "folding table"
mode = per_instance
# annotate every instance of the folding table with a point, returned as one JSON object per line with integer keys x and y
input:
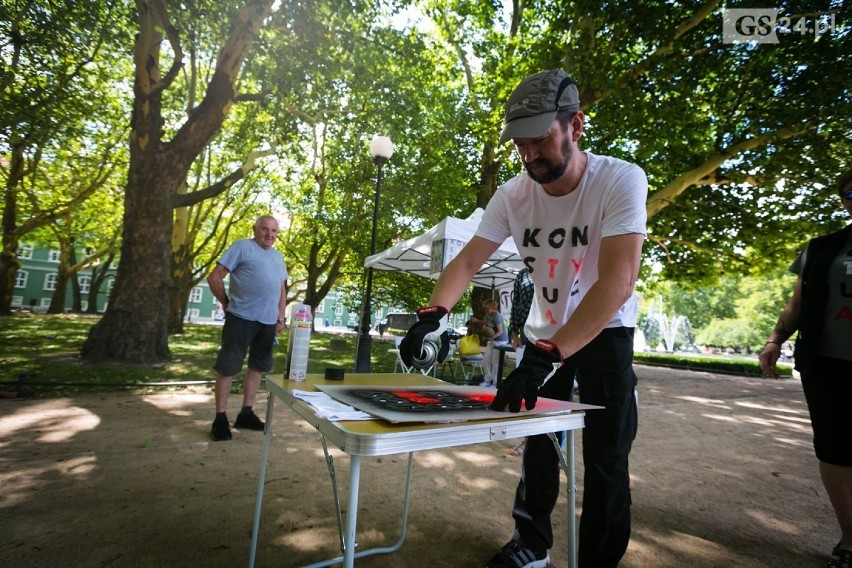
{"x": 368, "y": 438}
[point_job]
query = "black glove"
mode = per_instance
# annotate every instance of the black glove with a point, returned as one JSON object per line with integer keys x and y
{"x": 431, "y": 325}
{"x": 540, "y": 361}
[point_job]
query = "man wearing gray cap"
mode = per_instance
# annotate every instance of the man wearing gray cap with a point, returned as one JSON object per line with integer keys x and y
{"x": 578, "y": 220}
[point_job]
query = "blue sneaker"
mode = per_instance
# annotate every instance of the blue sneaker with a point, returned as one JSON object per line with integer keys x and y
{"x": 514, "y": 555}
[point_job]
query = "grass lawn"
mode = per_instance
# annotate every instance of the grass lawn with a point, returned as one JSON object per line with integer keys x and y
{"x": 743, "y": 365}
{"x": 39, "y": 354}
{"x": 43, "y": 351}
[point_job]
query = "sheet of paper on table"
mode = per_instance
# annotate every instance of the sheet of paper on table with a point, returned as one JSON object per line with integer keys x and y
{"x": 329, "y": 409}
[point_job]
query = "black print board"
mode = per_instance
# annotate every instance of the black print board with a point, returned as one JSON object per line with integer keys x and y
{"x": 431, "y": 404}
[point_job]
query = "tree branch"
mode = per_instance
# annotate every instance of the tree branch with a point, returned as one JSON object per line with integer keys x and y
{"x": 206, "y": 119}
{"x": 187, "y": 199}
{"x": 662, "y": 198}
{"x": 660, "y": 52}
{"x": 663, "y": 242}
{"x": 162, "y": 15}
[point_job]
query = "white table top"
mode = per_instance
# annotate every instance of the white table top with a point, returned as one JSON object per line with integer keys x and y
{"x": 378, "y": 437}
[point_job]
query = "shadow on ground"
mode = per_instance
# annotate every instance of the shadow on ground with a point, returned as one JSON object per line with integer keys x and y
{"x": 723, "y": 475}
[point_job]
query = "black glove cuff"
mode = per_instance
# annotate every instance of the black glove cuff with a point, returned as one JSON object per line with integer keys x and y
{"x": 551, "y": 349}
{"x": 432, "y": 313}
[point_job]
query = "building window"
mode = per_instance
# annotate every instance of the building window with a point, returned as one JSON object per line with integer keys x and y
{"x": 195, "y": 297}
{"x": 25, "y": 251}
{"x": 50, "y": 281}
{"x": 45, "y": 303}
{"x": 338, "y": 311}
{"x": 85, "y": 283}
{"x": 21, "y": 277}
{"x": 53, "y": 256}
{"x": 321, "y": 308}
{"x": 17, "y": 301}
{"x": 192, "y": 314}
{"x": 84, "y": 305}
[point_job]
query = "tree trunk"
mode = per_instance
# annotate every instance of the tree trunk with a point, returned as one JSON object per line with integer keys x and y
{"x": 57, "y": 300}
{"x": 489, "y": 168}
{"x": 477, "y": 296}
{"x": 76, "y": 295}
{"x": 134, "y": 327}
{"x": 177, "y": 311}
{"x": 9, "y": 263}
{"x": 181, "y": 269}
{"x": 9, "y": 266}
{"x": 99, "y": 274}
{"x": 183, "y": 280}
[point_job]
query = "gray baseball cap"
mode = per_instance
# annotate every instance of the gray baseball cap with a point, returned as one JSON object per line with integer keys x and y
{"x": 533, "y": 105}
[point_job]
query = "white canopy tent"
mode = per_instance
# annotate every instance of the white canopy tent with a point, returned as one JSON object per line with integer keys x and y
{"x": 428, "y": 253}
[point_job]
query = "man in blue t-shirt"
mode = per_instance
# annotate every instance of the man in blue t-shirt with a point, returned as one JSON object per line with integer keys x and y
{"x": 254, "y": 315}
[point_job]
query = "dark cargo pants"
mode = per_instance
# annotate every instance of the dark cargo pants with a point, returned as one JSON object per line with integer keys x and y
{"x": 604, "y": 371}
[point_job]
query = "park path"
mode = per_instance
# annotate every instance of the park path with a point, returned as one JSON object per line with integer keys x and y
{"x": 723, "y": 475}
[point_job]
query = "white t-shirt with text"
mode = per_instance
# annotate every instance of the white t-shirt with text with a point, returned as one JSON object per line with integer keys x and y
{"x": 559, "y": 237}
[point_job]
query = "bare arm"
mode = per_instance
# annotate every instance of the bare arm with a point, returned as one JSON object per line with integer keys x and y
{"x": 788, "y": 323}
{"x": 216, "y": 281}
{"x": 455, "y": 279}
{"x": 618, "y": 267}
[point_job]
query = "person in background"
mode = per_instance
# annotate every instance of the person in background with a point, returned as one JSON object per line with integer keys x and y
{"x": 578, "y": 220}
{"x": 820, "y": 309}
{"x": 522, "y": 296}
{"x": 494, "y": 322}
{"x": 254, "y": 315}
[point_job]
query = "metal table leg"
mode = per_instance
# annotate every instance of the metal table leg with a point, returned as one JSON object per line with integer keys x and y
{"x": 261, "y": 481}
{"x": 377, "y": 550}
{"x": 352, "y": 510}
{"x": 568, "y": 467}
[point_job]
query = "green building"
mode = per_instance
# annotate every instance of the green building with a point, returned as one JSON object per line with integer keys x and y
{"x": 36, "y": 281}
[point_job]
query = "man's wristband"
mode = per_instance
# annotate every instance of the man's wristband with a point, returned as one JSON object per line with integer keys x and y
{"x": 775, "y": 342}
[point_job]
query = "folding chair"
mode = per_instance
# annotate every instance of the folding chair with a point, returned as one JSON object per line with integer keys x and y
{"x": 475, "y": 362}
{"x": 451, "y": 361}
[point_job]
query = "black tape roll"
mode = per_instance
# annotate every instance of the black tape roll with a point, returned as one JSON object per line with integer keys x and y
{"x": 333, "y": 374}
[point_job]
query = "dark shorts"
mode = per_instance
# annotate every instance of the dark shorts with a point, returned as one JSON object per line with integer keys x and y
{"x": 238, "y": 337}
{"x": 828, "y": 391}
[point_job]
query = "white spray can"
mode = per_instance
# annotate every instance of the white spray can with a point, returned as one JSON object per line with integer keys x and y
{"x": 300, "y": 342}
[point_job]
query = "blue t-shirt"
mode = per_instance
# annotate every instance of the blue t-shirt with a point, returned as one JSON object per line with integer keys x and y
{"x": 257, "y": 275}
{"x": 495, "y": 321}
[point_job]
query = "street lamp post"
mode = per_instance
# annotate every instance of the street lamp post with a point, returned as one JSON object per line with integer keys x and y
{"x": 381, "y": 149}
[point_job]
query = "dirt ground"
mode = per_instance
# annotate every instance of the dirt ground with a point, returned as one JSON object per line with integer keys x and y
{"x": 723, "y": 474}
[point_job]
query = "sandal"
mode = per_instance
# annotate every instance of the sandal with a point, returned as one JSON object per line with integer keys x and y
{"x": 840, "y": 558}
